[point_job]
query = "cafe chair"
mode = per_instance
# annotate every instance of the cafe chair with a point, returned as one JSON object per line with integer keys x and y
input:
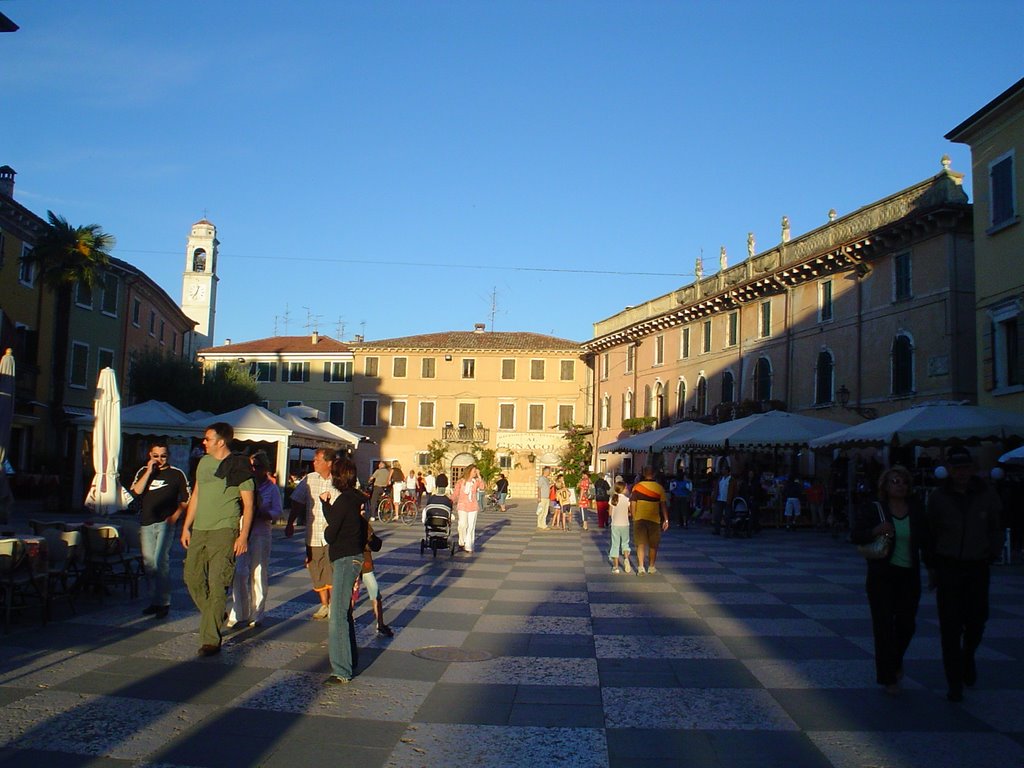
{"x": 60, "y": 568}
{"x": 106, "y": 561}
{"x": 18, "y": 580}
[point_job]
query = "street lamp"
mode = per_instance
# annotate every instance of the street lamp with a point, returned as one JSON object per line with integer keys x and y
{"x": 844, "y": 401}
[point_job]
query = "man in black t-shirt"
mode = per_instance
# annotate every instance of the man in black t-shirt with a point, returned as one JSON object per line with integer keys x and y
{"x": 164, "y": 492}
{"x": 602, "y": 493}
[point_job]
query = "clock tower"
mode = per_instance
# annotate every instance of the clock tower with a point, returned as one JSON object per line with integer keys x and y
{"x": 199, "y": 281}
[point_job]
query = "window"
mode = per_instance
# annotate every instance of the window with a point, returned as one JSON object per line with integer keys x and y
{"x": 728, "y": 387}
{"x": 630, "y": 357}
{"x": 427, "y": 414}
{"x": 506, "y": 416}
{"x": 263, "y": 373}
{"x": 567, "y": 370}
{"x": 606, "y": 411}
{"x": 824, "y": 301}
{"x": 762, "y": 380}
{"x": 174, "y": 341}
{"x": 294, "y": 372}
{"x": 83, "y": 295}
{"x": 399, "y": 366}
{"x": 1001, "y": 347}
{"x": 152, "y": 323}
{"x": 823, "y": 376}
{"x": 627, "y": 406}
{"x": 902, "y": 361}
{"x": 707, "y": 336}
{"x": 734, "y": 328}
{"x": 659, "y": 404}
{"x": 163, "y": 328}
{"x": 467, "y": 414}
{"x": 110, "y": 284}
{"x": 26, "y": 270}
{"x": 536, "y": 422}
{"x": 104, "y": 359}
{"x": 684, "y": 343}
{"x": 508, "y": 369}
{"x": 505, "y": 461}
{"x": 428, "y": 368}
{"x": 369, "y": 414}
{"x": 605, "y": 365}
{"x": 659, "y": 350}
{"x": 79, "y": 374}
{"x": 901, "y": 276}
{"x": 264, "y": 404}
{"x": 136, "y": 312}
{"x": 1001, "y": 186}
{"x": 702, "y": 396}
{"x": 681, "y": 399}
{"x": 292, "y": 403}
{"x": 370, "y": 367}
{"x": 766, "y": 319}
{"x": 423, "y": 459}
{"x": 648, "y": 401}
{"x": 566, "y": 415}
{"x": 398, "y": 413}
{"x": 468, "y": 368}
{"x": 537, "y": 370}
{"x": 336, "y": 412}
{"x": 338, "y": 372}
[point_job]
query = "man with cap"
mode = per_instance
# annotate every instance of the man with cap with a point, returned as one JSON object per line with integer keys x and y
{"x": 964, "y": 538}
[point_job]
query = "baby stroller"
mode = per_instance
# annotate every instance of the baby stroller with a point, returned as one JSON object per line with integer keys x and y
{"x": 739, "y": 523}
{"x": 437, "y": 529}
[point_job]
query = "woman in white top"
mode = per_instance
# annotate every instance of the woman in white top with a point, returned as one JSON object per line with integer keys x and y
{"x": 619, "y": 509}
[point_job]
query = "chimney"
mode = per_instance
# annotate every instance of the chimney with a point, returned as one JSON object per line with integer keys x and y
{"x": 7, "y": 181}
{"x": 316, "y": 337}
{"x": 358, "y": 338}
{"x": 227, "y": 342}
{"x": 479, "y": 327}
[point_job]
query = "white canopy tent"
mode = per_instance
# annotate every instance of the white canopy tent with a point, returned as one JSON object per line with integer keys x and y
{"x": 760, "y": 431}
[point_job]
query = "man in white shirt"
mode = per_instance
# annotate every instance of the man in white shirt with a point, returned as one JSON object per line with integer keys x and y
{"x": 306, "y": 502}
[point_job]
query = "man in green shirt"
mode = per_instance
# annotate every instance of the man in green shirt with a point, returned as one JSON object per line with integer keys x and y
{"x": 216, "y": 531}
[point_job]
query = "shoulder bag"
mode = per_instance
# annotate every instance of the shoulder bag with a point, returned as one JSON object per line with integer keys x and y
{"x": 881, "y": 547}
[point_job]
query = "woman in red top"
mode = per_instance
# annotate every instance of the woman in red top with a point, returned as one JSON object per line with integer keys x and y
{"x": 467, "y": 507}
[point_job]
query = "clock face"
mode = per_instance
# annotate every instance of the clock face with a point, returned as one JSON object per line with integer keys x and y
{"x": 197, "y": 291}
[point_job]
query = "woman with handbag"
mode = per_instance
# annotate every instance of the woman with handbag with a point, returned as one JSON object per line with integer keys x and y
{"x": 367, "y": 577}
{"x": 890, "y": 535}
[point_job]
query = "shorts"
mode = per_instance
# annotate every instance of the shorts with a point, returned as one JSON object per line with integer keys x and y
{"x": 646, "y": 533}
{"x": 320, "y": 569}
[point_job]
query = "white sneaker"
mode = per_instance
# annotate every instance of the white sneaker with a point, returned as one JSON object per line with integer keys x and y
{"x": 628, "y": 567}
{"x": 616, "y": 570}
{"x": 652, "y": 569}
{"x": 640, "y": 570}
{"x": 322, "y": 612}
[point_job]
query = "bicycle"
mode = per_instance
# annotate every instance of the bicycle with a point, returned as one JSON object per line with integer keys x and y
{"x": 406, "y": 511}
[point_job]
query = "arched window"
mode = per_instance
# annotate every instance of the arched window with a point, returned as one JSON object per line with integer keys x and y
{"x": 648, "y": 401}
{"x": 659, "y": 404}
{"x": 823, "y": 378}
{"x": 762, "y": 380}
{"x": 728, "y": 387}
{"x": 902, "y": 360}
{"x": 702, "y": 396}
{"x": 627, "y": 406}
{"x": 199, "y": 260}
{"x": 606, "y": 411}
{"x": 681, "y": 399}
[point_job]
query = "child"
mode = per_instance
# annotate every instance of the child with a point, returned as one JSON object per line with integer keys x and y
{"x": 619, "y": 509}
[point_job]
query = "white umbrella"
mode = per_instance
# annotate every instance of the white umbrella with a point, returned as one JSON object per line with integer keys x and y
{"x": 6, "y": 403}
{"x": 775, "y": 429}
{"x": 1016, "y": 456}
{"x": 639, "y": 443}
{"x": 106, "y": 495}
{"x": 935, "y": 423}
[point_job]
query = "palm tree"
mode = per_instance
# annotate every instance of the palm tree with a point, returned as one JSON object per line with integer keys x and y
{"x": 62, "y": 257}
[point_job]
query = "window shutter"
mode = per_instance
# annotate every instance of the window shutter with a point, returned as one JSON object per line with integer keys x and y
{"x": 327, "y": 371}
{"x": 987, "y": 363}
{"x": 305, "y": 371}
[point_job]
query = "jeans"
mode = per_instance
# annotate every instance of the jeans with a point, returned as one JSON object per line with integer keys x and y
{"x": 893, "y": 594}
{"x": 341, "y": 630}
{"x": 157, "y": 539}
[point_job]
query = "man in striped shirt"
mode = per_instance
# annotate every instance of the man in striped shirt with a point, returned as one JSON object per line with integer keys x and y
{"x": 306, "y": 502}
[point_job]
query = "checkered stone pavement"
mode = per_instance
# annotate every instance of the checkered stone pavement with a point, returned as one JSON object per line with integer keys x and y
{"x": 737, "y": 653}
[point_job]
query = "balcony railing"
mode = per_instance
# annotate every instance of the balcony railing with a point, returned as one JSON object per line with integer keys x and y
{"x": 465, "y": 434}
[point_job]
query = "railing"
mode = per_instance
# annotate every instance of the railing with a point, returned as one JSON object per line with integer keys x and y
{"x": 466, "y": 434}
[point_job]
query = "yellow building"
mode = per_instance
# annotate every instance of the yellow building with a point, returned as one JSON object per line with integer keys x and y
{"x": 504, "y": 391}
{"x": 864, "y": 315}
{"x": 995, "y": 134}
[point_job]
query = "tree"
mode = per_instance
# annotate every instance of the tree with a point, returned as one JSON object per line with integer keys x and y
{"x": 181, "y": 383}
{"x": 64, "y": 256}
{"x": 576, "y": 454}
{"x": 486, "y": 462}
{"x": 436, "y": 452}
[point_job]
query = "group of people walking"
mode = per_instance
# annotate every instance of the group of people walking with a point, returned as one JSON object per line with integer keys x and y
{"x": 956, "y": 534}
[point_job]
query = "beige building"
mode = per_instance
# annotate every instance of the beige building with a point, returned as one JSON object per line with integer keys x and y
{"x": 504, "y": 391}
{"x": 995, "y": 134}
{"x": 865, "y": 315}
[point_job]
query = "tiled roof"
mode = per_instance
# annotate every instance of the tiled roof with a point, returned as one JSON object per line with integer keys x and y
{"x": 280, "y": 345}
{"x": 474, "y": 340}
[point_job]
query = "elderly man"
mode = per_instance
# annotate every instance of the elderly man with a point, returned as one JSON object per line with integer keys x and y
{"x": 217, "y": 523}
{"x": 543, "y": 498}
{"x": 306, "y": 502}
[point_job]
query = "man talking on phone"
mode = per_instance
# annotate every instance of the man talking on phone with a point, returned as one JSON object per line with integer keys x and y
{"x": 163, "y": 491}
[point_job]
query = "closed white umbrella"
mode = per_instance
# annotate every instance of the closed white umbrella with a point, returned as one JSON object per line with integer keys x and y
{"x": 6, "y": 403}
{"x": 106, "y": 495}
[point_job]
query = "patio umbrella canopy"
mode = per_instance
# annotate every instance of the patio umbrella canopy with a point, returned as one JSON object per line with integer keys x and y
{"x": 938, "y": 423}
{"x": 1016, "y": 456}
{"x": 760, "y": 431}
{"x": 677, "y": 434}
{"x": 106, "y": 495}
{"x": 639, "y": 443}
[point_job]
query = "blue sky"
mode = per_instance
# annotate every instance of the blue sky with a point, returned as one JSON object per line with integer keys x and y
{"x": 393, "y": 165}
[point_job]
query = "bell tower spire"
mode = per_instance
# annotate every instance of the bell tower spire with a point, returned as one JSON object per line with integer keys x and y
{"x": 199, "y": 281}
